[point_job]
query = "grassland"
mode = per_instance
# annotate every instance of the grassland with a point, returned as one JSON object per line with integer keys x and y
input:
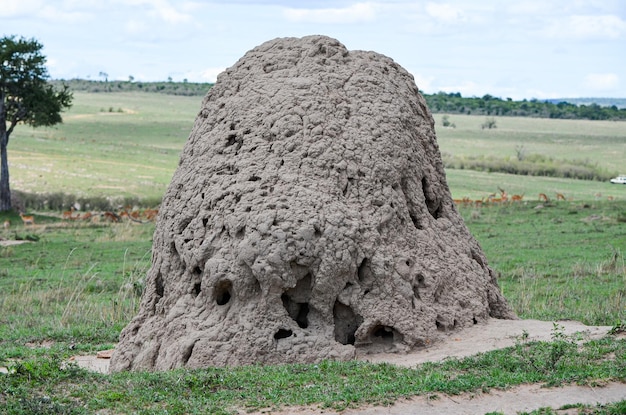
{"x": 116, "y": 144}
{"x": 73, "y": 287}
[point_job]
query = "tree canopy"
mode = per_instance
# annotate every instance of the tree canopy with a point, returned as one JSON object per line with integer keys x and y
{"x": 25, "y": 97}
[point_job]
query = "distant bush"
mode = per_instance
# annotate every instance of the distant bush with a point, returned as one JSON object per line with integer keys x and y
{"x": 61, "y": 201}
{"x": 445, "y": 121}
{"x": 530, "y": 165}
{"x": 489, "y": 123}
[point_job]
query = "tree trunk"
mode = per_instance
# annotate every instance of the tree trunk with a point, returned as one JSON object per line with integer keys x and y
{"x": 5, "y": 191}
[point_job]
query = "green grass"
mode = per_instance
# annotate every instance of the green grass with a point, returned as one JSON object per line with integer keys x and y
{"x": 72, "y": 291}
{"x": 134, "y": 152}
{"x": 603, "y": 142}
{"x": 563, "y": 260}
{"x": 72, "y": 288}
{"x": 77, "y": 282}
{"x": 101, "y": 153}
{"x": 38, "y": 383}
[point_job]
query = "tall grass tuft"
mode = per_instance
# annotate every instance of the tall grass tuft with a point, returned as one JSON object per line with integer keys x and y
{"x": 89, "y": 304}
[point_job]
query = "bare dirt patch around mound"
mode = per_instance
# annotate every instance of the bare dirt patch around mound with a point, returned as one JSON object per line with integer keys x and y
{"x": 494, "y": 334}
{"x": 524, "y": 398}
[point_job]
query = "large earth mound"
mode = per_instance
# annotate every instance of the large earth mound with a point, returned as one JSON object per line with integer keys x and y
{"x": 309, "y": 218}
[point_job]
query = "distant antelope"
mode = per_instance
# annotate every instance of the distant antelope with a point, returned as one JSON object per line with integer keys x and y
{"x": 27, "y": 219}
{"x": 69, "y": 214}
{"x": 560, "y": 196}
{"x": 112, "y": 217}
{"x": 150, "y": 214}
{"x": 544, "y": 197}
{"x": 6, "y": 224}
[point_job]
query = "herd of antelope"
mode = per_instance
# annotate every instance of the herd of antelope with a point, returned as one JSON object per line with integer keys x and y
{"x": 146, "y": 215}
{"x": 503, "y": 198}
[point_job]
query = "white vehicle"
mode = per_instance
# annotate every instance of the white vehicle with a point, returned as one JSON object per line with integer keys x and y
{"x": 619, "y": 179}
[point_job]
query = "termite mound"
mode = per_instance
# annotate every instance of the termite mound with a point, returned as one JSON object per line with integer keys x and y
{"x": 309, "y": 218}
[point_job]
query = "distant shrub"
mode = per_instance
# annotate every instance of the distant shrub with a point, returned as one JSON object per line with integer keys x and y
{"x": 445, "y": 121}
{"x": 489, "y": 123}
{"x": 531, "y": 165}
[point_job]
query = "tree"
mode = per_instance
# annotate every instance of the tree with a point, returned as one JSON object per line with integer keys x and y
{"x": 25, "y": 97}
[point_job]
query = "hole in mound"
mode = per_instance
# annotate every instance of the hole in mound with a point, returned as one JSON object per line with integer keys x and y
{"x": 230, "y": 140}
{"x": 364, "y": 272}
{"x": 418, "y": 283}
{"x": 440, "y": 326}
{"x": 406, "y": 189}
{"x": 415, "y": 221}
{"x": 223, "y": 292}
{"x": 474, "y": 320}
{"x": 283, "y": 334}
{"x": 299, "y": 312}
{"x": 384, "y": 334}
{"x": 433, "y": 205}
{"x": 296, "y": 299}
{"x": 443, "y": 325}
{"x": 302, "y": 317}
{"x": 346, "y": 323}
{"x": 158, "y": 283}
{"x": 416, "y": 292}
{"x": 197, "y": 287}
{"x": 241, "y": 232}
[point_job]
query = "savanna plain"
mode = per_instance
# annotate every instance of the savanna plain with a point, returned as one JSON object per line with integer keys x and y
{"x": 73, "y": 284}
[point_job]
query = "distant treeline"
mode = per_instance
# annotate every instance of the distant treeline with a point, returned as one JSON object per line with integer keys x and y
{"x": 441, "y": 102}
{"x": 454, "y": 103}
{"x": 171, "y": 88}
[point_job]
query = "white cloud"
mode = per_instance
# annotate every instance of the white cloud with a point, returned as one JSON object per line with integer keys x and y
{"x": 587, "y": 26}
{"x": 169, "y": 14}
{"x": 57, "y": 14}
{"x": 163, "y": 10}
{"x": 135, "y": 26}
{"x": 208, "y": 75}
{"x": 444, "y": 12}
{"x": 357, "y": 12}
{"x": 602, "y": 81}
{"x": 64, "y": 12}
{"x": 11, "y": 8}
{"x": 424, "y": 83}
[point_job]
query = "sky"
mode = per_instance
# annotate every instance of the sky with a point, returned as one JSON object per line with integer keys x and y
{"x": 520, "y": 49}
